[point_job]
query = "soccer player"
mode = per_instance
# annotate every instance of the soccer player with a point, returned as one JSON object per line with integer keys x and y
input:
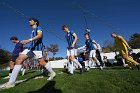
{"x": 71, "y": 38}
{"x": 123, "y": 49}
{"x": 92, "y": 50}
{"x": 35, "y": 50}
{"x": 99, "y": 56}
{"x": 18, "y": 49}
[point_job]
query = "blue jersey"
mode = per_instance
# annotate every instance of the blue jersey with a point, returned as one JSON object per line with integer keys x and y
{"x": 36, "y": 44}
{"x": 18, "y": 48}
{"x": 90, "y": 44}
{"x": 70, "y": 38}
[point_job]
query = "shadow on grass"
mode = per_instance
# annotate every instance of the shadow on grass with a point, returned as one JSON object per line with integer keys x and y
{"x": 48, "y": 88}
{"x": 65, "y": 71}
{"x": 117, "y": 68}
{"x": 29, "y": 72}
{"x": 77, "y": 71}
{"x": 29, "y": 79}
{"x": 3, "y": 76}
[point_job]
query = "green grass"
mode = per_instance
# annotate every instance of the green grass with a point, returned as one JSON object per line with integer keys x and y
{"x": 112, "y": 80}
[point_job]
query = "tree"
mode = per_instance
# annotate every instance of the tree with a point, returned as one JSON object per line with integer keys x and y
{"x": 134, "y": 41}
{"x": 5, "y": 57}
{"x": 108, "y": 46}
{"x": 4, "y": 54}
{"x": 53, "y": 48}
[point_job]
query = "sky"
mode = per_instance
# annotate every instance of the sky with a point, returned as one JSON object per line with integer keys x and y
{"x": 123, "y": 15}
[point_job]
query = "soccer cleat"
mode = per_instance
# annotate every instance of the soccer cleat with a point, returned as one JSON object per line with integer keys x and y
{"x": 84, "y": 69}
{"x": 101, "y": 67}
{"x": 52, "y": 75}
{"x": 81, "y": 70}
{"x": 88, "y": 68}
{"x": 6, "y": 86}
{"x": 138, "y": 66}
{"x": 131, "y": 68}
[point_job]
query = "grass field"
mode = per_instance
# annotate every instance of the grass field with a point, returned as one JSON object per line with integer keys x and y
{"x": 112, "y": 80}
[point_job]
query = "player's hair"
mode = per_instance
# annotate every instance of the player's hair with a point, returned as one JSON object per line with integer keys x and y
{"x": 86, "y": 34}
{"x": 114, "y": 33}
{"x": 35, "y": 20}
{"x": 64, "y": 26}
{"x": 13, "y": 38}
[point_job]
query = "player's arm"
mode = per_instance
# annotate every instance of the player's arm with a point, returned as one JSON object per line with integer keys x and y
{"x": 93, "y": 41}
{"x": 75, "y": 39}
{"x": 39, "y": 35}
{"x": 124, "y": 41}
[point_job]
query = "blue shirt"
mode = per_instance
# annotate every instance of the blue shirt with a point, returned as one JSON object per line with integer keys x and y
{"x": 36, "y": 44}
{"x": 18, "y": 48}
{"x": 80, "y": 59}
{"x": 70, "y": 38}
{"x": 90, "y": 44}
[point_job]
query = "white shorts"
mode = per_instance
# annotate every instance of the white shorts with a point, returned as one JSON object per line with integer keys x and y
{"x": 71, "y": 52}
{"x": 37, "y": 54}
{"x": 75, "y": 52}
{"x": 92, "y": 53}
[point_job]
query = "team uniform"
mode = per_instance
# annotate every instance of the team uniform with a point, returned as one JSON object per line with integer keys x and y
{"x": 124, "y": 50}
{"x": 18, "y": 49}
{"x": 90, "y": 47}
{"x": 36, "y": 47}
{"x": 121, "y": 46}
{"x": 92, "y": 51}
{"x": 35, "y": 50}
{"x": 15, "y": 54}
{"x": 70, "y": 36}
{"x": 99, "y": 56}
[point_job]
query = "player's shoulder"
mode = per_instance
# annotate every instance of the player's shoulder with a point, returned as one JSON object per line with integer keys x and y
{"x": 120, "y": 37}
{"x": 39, "y": 28}
{"x": 72, "y": 31}
{"x": 93, "y": 40}
{"x": 19, "y": 43}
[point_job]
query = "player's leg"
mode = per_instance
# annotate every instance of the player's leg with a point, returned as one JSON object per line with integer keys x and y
{"x": 74, "y": 59}
{"x": 70, "y": 63}
{"x": 131, "y": 65}
{"x": 98, "y": 52}
{"x": 95, "y": 59}
{"x": 90, "y": 60}
{"x": 71, "y": 66}
{"x": 22, "y": 57}
{"x": 129, "y": 59}
{"x": 15, "y": 72}
{"x": 11, "y": 65}
{"x": 42, "y": 62}
{"x": 23, "y": 68}
{"x": 17, "y": 67}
